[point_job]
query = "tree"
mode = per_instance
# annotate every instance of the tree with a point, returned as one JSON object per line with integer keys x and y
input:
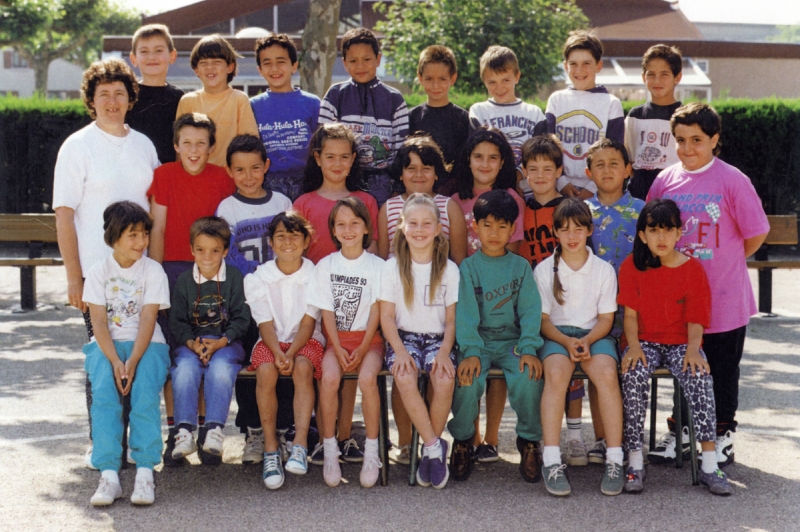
{"x": 41, "y": 31}
{"x": 534, "y": 29}
{"x": 319, "y": 46}
{"x": 786, "y": 34}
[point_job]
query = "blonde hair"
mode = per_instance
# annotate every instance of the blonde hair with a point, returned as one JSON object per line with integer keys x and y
{"x": 575, "y": 210}
{"x": 441, "y": 249}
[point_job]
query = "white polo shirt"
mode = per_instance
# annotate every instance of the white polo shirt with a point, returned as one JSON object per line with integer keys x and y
{"x": 588, "y": 292}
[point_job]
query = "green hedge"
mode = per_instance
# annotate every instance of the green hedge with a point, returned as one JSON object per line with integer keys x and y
{"x": 760, "y": 137}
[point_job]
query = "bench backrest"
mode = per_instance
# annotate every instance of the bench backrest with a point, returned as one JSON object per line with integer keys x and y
{"x": 782, "y": 230}
{"x": 28, "y": 227}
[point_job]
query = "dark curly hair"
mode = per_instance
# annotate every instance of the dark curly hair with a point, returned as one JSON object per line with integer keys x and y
{"x": 107, "y": 71}
{"x": 506, "y": 177}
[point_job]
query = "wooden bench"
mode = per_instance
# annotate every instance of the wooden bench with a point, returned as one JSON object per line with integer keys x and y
{"x": 383, "y": 431}
{"x": 782, "y": 231}
{"x": 35, "y": 229}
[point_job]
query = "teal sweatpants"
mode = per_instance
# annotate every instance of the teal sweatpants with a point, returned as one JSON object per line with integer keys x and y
{"x": 145, "y": 418}
{"x": 524, "y": 394}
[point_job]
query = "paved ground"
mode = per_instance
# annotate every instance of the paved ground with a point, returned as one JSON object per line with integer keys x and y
{"x": 43, "y": 432}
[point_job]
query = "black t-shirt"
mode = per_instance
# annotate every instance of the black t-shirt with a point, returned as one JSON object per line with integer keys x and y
{"x": 449, "y": 126}
{"x": 153, "y": 115}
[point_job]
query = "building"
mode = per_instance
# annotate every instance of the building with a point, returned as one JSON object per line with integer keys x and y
{"x": 17, "y": 79}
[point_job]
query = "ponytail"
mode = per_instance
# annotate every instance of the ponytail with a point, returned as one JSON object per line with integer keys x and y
{"x": 558, "y": 290}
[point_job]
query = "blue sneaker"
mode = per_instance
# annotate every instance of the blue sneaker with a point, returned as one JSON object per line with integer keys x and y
{"x": 438, "y": 471}
{"x": 298, "y": 461}
{"x": 424, "y": 471}
{"x": 273, "y": 472}
{"x": 717, "y": 482}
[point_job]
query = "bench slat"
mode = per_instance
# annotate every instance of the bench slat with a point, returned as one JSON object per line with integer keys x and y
{"x": 32, "y": 262}
{"x": 28, "y": 228}
{"x": 782, "y": 229}
{"x": 779, "y": 264}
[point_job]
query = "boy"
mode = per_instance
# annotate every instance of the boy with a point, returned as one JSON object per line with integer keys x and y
{"x": 647, "y": 135}
{"x": 448, "y": 124}
{"x": 286, "y": 117}
{"x": 375, "y": 112}
{"x": 518, "y": 120}
{"x": 723, "y": 224}
{"x": 152, "y": 52}
{"x": 128, "y": 354}
{"x": 498, "y": 316}
{"x": 248, "y": 213}
{"x": 584, "y": 113}
{"x": 213, "y": 60}
{"x": 209, "y": 318}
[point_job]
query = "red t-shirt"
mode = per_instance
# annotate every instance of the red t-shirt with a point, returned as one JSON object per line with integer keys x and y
{"x": 667, "y": 299}
{"x": 317, "y": 209}
{"x": 187, "y": 197}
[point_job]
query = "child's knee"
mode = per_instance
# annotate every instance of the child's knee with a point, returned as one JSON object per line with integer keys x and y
{"x": 406, "y": 382}
{"x": 303, "y": 370}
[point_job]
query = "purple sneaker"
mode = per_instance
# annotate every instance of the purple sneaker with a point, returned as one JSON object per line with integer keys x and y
{"x": 424, "y": 471}
{"x": 438, "y": 470}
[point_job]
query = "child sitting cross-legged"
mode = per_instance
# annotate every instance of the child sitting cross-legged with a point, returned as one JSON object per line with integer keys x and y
{"x": 208, "y": 320}
{"x": 667, "y": 303}
{"x": 128, "y": 354}
{"x": 419, "y": 290}
{"x": 291, "y": 341}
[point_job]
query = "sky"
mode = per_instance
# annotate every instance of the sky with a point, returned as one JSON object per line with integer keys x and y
{"x": 741, "y": 11}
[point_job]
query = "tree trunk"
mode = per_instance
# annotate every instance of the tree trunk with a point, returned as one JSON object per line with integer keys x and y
{"x": 40, "y": 68}
{"x": 319, "y": 46}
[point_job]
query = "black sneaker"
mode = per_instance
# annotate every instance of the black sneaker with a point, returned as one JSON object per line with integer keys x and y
{"x": 530, "y": 463}
{"x": 350, "y": 451}
{"x": 461, "y": 460}
{"x": 665, "y": 449}
{"x": 169, "y": 461}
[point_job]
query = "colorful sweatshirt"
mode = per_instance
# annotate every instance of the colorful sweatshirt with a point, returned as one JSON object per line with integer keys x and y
{"x": 498, "y": 302}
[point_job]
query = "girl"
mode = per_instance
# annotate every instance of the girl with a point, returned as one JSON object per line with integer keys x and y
{"x": 128, "y": 355}
{"x": 332, "y": 173}
{"x": 345, "y": 286}
{"x": 666, "y": 310}
{"x": 419, "y": 165}
{"x": 291, "y": 339}
{"x": 578, "y": 293}
{"x": 487, "y": 163}
{"x": 419, "y": 291}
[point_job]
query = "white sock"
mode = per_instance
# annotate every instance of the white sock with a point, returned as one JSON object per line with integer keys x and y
{"x": 371, "y": 447}
{"x": 330, "y": 446}
{"x": 709, "y": 461}
{"x": 432, "y": 449}
{"x": 636, "y": 460}
{"x": 614, "y": 454}
{"x": 112, "y": 476}
{"x": 144, "y": 473}
{"x": 574, "y": 429}
{"x": 551, "y": 455}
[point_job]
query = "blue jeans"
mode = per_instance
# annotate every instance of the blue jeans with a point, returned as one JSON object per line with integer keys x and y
{"x": 145, "y": 418}
{"x": 218, "y": 377}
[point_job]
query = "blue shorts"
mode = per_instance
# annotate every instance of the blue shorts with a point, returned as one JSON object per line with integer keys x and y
{"x": 422, "y": 348}
{"x": 605, "y": 346}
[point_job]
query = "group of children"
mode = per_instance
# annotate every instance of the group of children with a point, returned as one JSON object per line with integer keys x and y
{"x": 310, "y": 239}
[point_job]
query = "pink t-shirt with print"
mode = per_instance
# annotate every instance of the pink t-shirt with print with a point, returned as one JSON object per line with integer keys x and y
{"x": 473, "y": 242}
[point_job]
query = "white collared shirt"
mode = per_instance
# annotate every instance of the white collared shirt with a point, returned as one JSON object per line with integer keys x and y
{"x": 219, "y": 277}
{"x": 588, "y": 292}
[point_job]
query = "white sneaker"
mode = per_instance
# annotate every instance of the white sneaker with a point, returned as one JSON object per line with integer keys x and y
{"x": 298, "y": 462}
{"x": 331, "y": 470}
{"x": 107, "y": 492}
{"x": 370, "y": 470}
{"x": 144, "y": 492}
{"x": 253, "y": 446}
{"x": 576, "y": 453}
{"x": 87, "y": 458}
{"x": 665, "y": 448}
{"x": 725, "y": 449}
{"x": 273, "y": 472}
{"x": 184, "y": 444}
{"x": 213, "y": 443}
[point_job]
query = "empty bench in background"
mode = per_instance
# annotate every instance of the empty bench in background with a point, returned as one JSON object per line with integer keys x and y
{"x": 782, "y": 231}
{"x": 35, "y": 229}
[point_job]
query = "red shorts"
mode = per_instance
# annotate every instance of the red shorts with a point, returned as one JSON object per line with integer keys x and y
{"x": 352, "y": 339}
{"x": 313, "y": 351}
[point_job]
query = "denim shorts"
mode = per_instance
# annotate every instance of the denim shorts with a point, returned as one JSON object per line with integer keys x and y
{"x": 422, "y": 348}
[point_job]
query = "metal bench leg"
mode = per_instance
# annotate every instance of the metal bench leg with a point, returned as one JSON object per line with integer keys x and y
{"x": 422, "y": 384}
{"x": 383, "y": 434}
{"x": 765, "y": 290}
{"x": 678, "y": 425}
{"x": 27, "y": 286}
{"x": 693, "y": 444}
{"x": 653, "y": 409}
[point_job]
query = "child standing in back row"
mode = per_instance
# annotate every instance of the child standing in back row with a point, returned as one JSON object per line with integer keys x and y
{"x": 419, "y": 291}
{"x": 373, "y": 111}
{"x": 647, "y": 134}
{"x": 584, "y": 113}
{"x": 213, "y": 60}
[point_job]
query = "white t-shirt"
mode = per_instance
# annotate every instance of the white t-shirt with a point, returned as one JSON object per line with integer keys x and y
{"x": 280, "y": 298}
{"x": 423, "y": 317}
{"x": 94, "y": 170}
{"x": 124, "y": 291}
{"x": 588, "y": 292}
{"x": 348, "y": 288}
